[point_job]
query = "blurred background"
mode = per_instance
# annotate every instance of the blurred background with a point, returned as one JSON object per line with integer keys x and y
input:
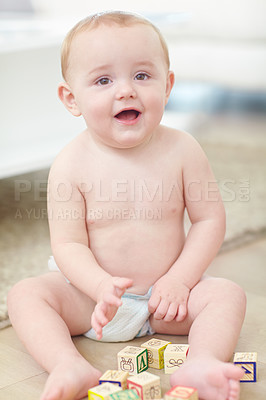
{"x": 218, "y": 53}
{"x": 217, "y": 50}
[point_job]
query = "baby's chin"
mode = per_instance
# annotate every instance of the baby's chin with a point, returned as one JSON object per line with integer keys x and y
{"x": 131, "y": 140}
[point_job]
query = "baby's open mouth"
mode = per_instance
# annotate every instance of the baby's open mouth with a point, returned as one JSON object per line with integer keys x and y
{"x": 127, "y": 115}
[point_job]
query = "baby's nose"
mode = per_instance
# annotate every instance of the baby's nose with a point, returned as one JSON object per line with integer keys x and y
{"x": 125, "y": 90}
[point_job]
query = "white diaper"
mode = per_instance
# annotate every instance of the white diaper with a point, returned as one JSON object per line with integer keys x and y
{"x": 130, "y": 321}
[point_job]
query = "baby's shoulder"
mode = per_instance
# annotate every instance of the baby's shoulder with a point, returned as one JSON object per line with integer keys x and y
{"x": 180, "y": 140}
{"x": 69, "y": 160}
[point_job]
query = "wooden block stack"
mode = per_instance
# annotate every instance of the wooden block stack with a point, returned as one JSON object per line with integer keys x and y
{"x": 146, "y": 385}
{"x": 133, "y": 360}
{"x": 181, "y": 393}
{"x": 174, "y": 356}
{"x": 132, "y": 382}
{"x": 155, "y": 348}
{"x": 247, "y": 361}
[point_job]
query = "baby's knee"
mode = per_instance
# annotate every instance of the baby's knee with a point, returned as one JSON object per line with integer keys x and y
{"x": 16, "y": 295}
{"x": 20, "y": 290}
{"x": 226, "y": 290}
{"x": 23, "y": 291}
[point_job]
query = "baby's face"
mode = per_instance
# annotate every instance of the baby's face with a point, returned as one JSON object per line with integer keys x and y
{"x": 120, "y": 82}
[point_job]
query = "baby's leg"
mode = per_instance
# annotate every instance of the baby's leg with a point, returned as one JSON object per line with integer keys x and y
{"x": 45, "y": 312}
{"x": 216, "y": 310}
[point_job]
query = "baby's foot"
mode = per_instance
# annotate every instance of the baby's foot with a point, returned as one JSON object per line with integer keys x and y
{"x": 212, "y": 378}
{"x": 71, "y": 380}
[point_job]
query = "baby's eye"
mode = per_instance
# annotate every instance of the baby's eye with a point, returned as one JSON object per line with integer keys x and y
{"x": 142, "y": 76}
{"x": 103, "y": 81}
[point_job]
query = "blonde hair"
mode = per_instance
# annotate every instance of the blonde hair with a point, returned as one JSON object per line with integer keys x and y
{"x": 108, "y": 17}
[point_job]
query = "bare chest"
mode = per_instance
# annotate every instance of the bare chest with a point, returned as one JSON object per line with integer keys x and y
{"x": 117, "y": 195}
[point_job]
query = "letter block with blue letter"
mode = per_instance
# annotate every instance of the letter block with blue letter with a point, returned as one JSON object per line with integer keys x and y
{"x": 248, "y": 362}
{"x": 116, "y": 377}
{"x": 102, "y": 392}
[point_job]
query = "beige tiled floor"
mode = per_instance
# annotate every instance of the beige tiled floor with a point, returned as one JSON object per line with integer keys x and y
{"x": 22, "y": 378}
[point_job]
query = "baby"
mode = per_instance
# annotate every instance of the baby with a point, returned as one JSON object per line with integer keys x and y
{"x": 117, "y": 196}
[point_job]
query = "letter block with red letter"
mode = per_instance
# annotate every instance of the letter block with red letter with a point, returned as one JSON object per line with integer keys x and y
{"x": 181, "y": 393}
{"x": 146, "y": 385}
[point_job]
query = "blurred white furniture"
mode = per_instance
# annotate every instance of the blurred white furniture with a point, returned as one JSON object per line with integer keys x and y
{"x": 34, "y": 125}
{"x": 222, "y": 42}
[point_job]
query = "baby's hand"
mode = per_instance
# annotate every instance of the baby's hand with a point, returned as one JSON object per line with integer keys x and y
{"x": 169, "y": 299}
{"x": 109, "y": 300}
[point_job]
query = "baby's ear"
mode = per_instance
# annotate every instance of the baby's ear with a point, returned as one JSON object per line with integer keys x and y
{"x": 169, "y": 85}
{"x": 67, "y": 97}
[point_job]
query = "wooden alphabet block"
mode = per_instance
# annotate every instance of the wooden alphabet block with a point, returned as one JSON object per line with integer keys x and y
{"x": 181, "y": 393}
{"x": 116, "y": 377}
{"x": 146, "y": 385}
{"x": 102, "y": 392}
{"x": 247, "y": 361}
{"x": 155, "y": 349}
{"x": 174, "y": 356}
{"x": 128, "y": 394}
{"x": 133, "y": 359}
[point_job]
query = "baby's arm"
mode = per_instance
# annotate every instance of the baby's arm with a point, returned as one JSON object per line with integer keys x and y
{"x": 206, "y": 212}
{"x": 70, "y": 247}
